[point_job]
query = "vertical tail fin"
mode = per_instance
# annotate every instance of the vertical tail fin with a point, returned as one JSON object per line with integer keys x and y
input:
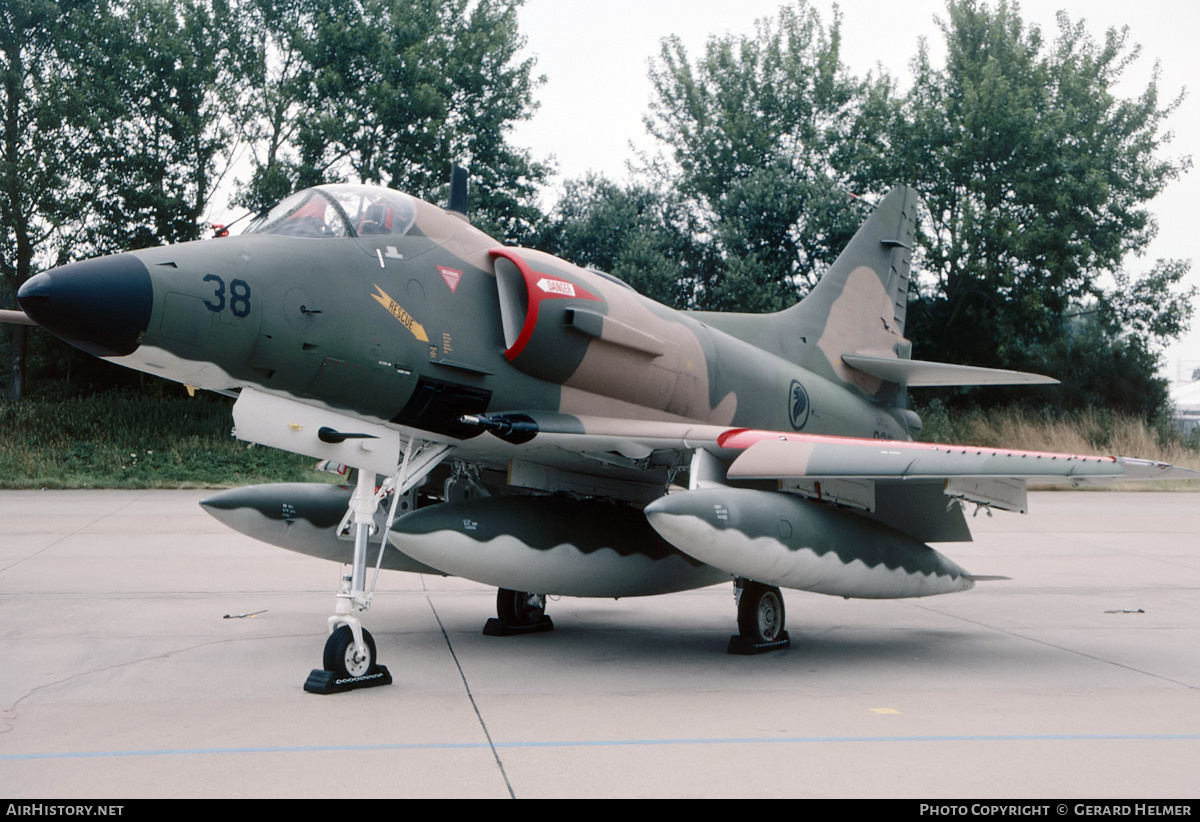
{"x": 850, "y": 327}
{"x": 860, "y": 303}
{"x": 857, "y": 307}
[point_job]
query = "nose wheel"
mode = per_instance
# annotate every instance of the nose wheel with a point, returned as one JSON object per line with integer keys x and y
{"x": 349, "y": 662}
{"x": 760, "y": 620}
{"x": 343, "y": 657}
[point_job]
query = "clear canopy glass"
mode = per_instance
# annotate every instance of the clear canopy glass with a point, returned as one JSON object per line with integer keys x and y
{"x": 339, "y": 211}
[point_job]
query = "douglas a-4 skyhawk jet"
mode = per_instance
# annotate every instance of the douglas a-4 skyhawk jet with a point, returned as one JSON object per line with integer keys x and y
{"x": 514, "y": 419}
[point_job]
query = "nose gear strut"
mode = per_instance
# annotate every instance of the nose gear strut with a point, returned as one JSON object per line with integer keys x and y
{"x": 350, "y": 660}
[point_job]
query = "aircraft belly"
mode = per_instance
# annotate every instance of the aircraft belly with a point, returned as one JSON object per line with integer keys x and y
{"x": 777, "y": 539}
{"x": 163, "y": 363}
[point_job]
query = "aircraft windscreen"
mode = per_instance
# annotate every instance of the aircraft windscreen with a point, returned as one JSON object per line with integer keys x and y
{"x": 373, "y": 210}
{"x": 339, "y": 211}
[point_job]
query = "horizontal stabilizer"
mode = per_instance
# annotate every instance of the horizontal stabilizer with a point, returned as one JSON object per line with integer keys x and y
{"x": 925, "y": 374}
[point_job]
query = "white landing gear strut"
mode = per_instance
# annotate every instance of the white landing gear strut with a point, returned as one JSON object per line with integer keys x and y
{"x": 349, "y": 661}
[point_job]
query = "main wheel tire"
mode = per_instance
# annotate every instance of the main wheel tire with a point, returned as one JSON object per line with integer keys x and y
{"x": 341, "y": 658}
{"x": 520, "y": 608}
{"x": 760, "y": 612}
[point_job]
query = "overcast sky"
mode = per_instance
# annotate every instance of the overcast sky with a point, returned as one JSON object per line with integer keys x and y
{"x": 594, "y": 57}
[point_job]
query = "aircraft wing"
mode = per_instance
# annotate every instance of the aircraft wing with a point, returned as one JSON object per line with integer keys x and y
{"x": 906, "y": 484}
{"x": 856, "y": 471}
{"x": 771, "y": 455}
{"x": 756, "y": 454}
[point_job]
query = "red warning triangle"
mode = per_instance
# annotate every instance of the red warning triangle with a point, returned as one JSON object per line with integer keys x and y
{"x": 450, "y": 276}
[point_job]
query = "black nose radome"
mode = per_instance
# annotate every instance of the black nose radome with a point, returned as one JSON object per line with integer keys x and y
{"x": 101, "y": 306}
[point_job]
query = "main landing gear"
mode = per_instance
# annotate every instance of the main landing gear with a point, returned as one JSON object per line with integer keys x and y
{"x": 518, "y": 612}
{"x": 760, "y": 619}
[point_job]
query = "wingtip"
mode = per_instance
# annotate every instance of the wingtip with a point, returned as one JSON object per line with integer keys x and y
{"x": 1142, "y": 469}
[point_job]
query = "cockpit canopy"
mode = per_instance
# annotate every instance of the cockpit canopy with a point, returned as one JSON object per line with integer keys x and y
{"x": 339, "y": 211}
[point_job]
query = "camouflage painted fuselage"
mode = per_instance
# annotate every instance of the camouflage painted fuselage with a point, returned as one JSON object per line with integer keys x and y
{"x": 353, "y": 311}
{"x": 417, "y": 330}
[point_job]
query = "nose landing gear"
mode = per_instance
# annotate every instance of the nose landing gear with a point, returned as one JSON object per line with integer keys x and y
{"x": 349, "y": 662}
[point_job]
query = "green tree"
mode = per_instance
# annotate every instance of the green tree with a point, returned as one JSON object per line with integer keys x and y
{"x": 45, "y": 154}
{"x": 112, "y": 130}
{"x": 275, "y": 91}
{"x": 164, "y": 79}
{"x": 753, "y": 134}
{"x": 1036, "y": 179}
{"x": 394, "y": 92}
{"x": 174, "y": 70}
{"x": 636, "y": 233}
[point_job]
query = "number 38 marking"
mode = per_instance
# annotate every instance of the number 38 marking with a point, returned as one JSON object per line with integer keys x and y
{"x": 239, "y": 296}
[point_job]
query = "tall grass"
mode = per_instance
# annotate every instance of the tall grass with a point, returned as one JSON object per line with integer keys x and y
{"x": 125, "y": 439}
{"x": 1087, "y": 432}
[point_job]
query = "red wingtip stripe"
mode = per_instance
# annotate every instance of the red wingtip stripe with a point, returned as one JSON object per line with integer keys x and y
{"x": 743, "y": 438}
